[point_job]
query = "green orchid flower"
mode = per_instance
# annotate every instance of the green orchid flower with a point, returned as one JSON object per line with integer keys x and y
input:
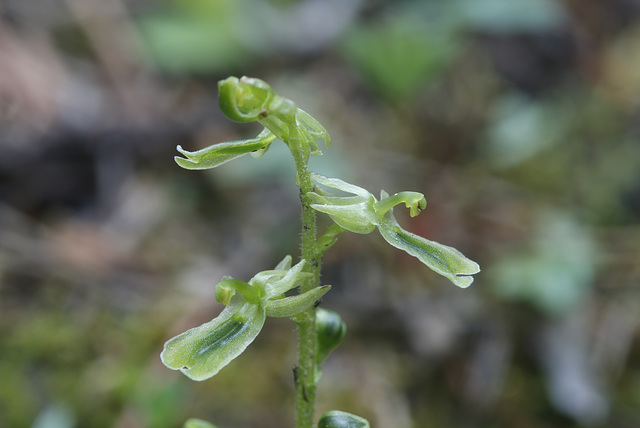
{"x": 253, "y": 100}
{"x": 202, "y": 351}
{"x": 362, "y": 213}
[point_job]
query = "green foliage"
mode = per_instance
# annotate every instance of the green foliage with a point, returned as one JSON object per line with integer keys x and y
{"x": 398, "y": 55}
{"x": 510, "y": 15}
{"x": 556, "y": 273}
{"x": 194, "y": 36}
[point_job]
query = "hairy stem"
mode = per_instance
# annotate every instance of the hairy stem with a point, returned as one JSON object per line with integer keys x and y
{"x": 305, "y": 372}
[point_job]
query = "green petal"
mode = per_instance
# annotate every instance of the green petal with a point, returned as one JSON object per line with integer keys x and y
{"x": 293, "y": 305}
{"x": 313, "y": 130}
{"x": 217, "y": 154}
{"x": 285, "y": 264}
{"x": 279, "y": 285}
{"x": 202, "y": 351}
{"x": 445, "y": 260}
{"x": 353, "y": 213}
{"x": 336, "y": 183}
{"x": 357, "y": 218}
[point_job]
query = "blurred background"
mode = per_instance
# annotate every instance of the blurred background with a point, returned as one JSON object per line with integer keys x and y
{"x": 518, "y": 119}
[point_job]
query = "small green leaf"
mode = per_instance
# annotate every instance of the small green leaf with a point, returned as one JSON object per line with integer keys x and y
{"x": 293, "y": 305}
{"x": 285, "y": 264}
{"x": 217, "y": 154}
{"x": 338, "y": 419}
{"x": 445, "y": 260}
{"x": 198, "y": 423}
{"x": 202, "y": 351}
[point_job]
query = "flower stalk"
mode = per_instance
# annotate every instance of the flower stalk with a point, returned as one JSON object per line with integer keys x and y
{"x": 202, "y": 351}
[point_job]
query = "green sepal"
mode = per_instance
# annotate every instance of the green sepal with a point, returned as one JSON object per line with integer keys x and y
{"x": 330, "y": 330}
{"x": 293, "y": 305}
{"x": 217, "y": 154}
{"x": 276, "y": 287}
{"x": 338, "y": 419}
{"x": 445, "y": 260}
{"x": 285, "y": 264}
{"x": 353, "y": 213}
{"x": 313, "y": 131}
{"x": 198, "y": 423}
{"x": 202, "y": 351}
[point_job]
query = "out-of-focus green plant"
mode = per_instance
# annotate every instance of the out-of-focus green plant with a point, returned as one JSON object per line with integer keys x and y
{"x": 202, "y": 351}
{"x": 556, "y": 273}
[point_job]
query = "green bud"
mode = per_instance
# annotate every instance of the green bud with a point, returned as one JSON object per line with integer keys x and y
{"x": 338, "y": 419}
{"x": 244, "y": 99}
{"x": 248, "y": 99}
{"x": 330, "y": 330}
{"x": 198, "y": 423}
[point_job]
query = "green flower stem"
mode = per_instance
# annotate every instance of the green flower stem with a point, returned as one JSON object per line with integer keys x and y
{"x": 306, "y": 382}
